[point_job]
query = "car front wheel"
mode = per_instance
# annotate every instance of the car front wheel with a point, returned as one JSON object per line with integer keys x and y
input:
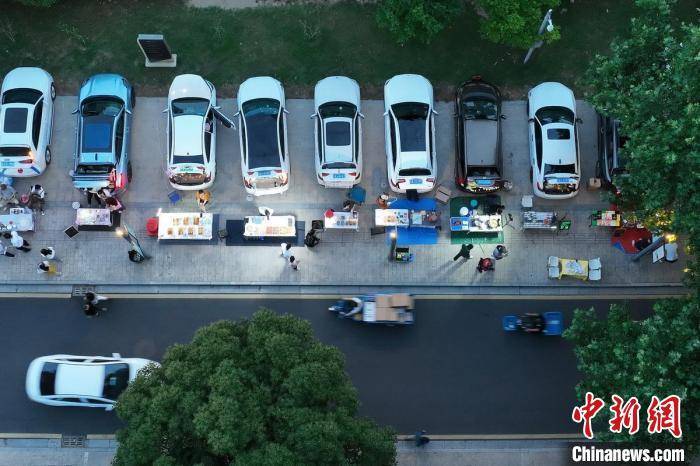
{"x": 128, "y": 172}
{"x": 53, "y": 92}
{"x": 47, "y": 156}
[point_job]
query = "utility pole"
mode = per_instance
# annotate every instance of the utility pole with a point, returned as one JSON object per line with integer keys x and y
{"x": 546, "y": 25}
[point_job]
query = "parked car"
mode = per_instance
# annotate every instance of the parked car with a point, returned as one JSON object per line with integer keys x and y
{"x": 338, "y": 132}
{"x": 554, "y": 146}
{"x": 478, "y": 156}
{"x": 611, "y": 162}
{"x": 192, "y": 111}
{"x": 101, "y": 157}
{"x": 409, "y": 124}
{"x": 83, "y": 381}
{"x": 26, "y": 113}
{"x": 262, "y": 121}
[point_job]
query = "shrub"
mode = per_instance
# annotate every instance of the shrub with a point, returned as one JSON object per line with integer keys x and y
{"x": 416, "y": 19}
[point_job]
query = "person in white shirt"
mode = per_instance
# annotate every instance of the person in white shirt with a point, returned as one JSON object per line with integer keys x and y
{"x": 19, "y": 243}
{"x": 48, "y": 253}
{"x": 286, "y": 250}
{"x": 4, "y": 252}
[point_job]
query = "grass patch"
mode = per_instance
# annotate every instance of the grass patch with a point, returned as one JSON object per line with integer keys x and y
{"x": 299, "y": 44}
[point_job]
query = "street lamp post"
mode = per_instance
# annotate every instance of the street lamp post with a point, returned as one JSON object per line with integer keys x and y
{"x": 546, "y": 25}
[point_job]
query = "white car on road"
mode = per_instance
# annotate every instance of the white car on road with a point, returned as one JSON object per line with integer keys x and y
{"x": 191, "y": 131}
{"x": 84, "y": 381}
{"x": 409, "y": 124}
{"x": 26, "y": 122}
{"x": 262, "y": 121}
{"x": 338, "y": 131}
{"x": 554, "y": 146}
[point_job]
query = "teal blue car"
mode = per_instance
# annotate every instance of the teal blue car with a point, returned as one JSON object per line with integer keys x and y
{"x": 104, "y": 112}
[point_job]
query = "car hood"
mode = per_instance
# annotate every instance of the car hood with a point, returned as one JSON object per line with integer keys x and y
{"x": 337, "y": 89}
{"x": 105, "y": 85}
{"x": 27, "y": 77}
{"x": 261, "y": 87}
{"x": 551, "y": 94}
{"x": 189, "y": 85}
{"x": 408, "y": 88}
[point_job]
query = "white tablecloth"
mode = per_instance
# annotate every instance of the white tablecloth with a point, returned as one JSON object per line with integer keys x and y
{"x": 188, "y": 225}
{"x": 19, "y": 220}
{"x": 277, "y": 225}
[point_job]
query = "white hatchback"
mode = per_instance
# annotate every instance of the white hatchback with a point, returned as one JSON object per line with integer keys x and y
{"x": 191, "y": 134}
{"x": 338, "y": 131}
{"x": 554, "y": 147}
{"x": 409, "y": 124}
{"x": 83, "y": 381}
{"x": 26, "y": 122}
{"x": 262, "y": 121}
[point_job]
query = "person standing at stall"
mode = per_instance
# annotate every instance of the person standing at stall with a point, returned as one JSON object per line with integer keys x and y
{"x": 465, "y": 252}
{"x": 19, "y": 243}
{"x": 203, "y": 198}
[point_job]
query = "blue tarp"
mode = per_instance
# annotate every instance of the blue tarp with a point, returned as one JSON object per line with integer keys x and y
{"x": 413, "y": 235}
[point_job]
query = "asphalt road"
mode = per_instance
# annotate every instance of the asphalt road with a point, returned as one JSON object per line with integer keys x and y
{"x": 454, "y": 372}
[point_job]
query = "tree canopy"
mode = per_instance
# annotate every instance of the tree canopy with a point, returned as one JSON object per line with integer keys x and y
{"x": 515, "y": 22}
{"x": 419, "y": 20}
{"x": 658, "y": 356}
{"x": 262, "y": 391}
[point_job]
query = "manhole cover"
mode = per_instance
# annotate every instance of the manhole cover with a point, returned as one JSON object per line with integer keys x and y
{"x": 72, "y": 441}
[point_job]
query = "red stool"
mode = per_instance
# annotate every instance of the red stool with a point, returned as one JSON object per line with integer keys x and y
{"x": 152, "y": 226}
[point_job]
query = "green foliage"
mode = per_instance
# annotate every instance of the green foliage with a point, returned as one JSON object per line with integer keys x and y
{"x": 651, "y": 81}
{"x": 656, "y": 356}
{"x": 421, "y": 20}
{"x": 39, "y": 3}
{"x": 516, "y": 22}
{"x": 257, "y": 392}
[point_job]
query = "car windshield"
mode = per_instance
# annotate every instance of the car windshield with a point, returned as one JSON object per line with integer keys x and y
{"x": 14, "y": 152}
{"x": 15, "y": 120}
{"x": 480, "y": 109}
{"x": 338, "y": 110}
{"x": 190, "y": 107}
{"x": 116, "y": 380}
{"x": 548, "y": 115}
{"x": 563, "y": 169}
{"x": 47, "y": 379}
{"x": 412, "y": 118}
{"x": 338, "y": 133}
{"x": 558, "y": 133}
{"x": 21, "y": 96}
{"x": 261, "y": 132}
{"x": 94, "y": 169}
{"x": 414, "y": 172}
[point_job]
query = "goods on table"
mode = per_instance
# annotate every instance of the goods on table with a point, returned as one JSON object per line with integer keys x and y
{"x": 275, "y": 225}
{"x": 93, "y": 217}
{"x": 191, "y": 226}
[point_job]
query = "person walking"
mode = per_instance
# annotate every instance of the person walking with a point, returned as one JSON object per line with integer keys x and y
{"x": 37, "y": 196}
{"x": 94, "y": 298}
{"x": 19, "y": 243}
{"x": 294, "y": 263}
{"x": 4, "y": 251}
{"x": 47, "y": 267}
{"x": 311, "y": 239}
{"x": 203, "y": 198}
{"x": 464, "y": 251}
{"x": 485, "y": 264}
{"x": 48, "y": 254}
{"x": 420, "y": 438}
{"x": 500, "y": 252}
{"x": 91, "y": 310}
{"x": 286, "y": 250}
{"x": 135, "y": 256}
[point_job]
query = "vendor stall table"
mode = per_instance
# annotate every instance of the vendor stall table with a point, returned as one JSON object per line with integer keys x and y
{"x": 342, "y": 221}
{"x": 93, "y": 219}
{"x": 19, "y": 219}
{"x": 477, "y": 223}
{"x": 391, "y": 217}
{"x": 606, "y": 218}
{"x": 533, "y": 220}
{"x": 185, "y": 226}
{"x": 276, "y": 225}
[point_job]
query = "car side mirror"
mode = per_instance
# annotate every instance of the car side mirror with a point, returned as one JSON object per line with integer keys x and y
{"x": 580, "y": 121}
{"x": 361, "y": 115}
{"x": 503, "y": 117}
{"x": 386, "y": 113}
{"x": 127, "y": 111}
{"x": 285, "y": 111}
{"x": 238, "y": 113}
{"x": 165, "y": 110}
{"x": 109, "y": 408}
{"x": 435, "y": 112}
{"x": 71, "y": 173}
{"x": 313, "y": 115}
{"x": 75, "y": 110}
{"x": 531, "y": 120}
{"x": 217, "y": 107}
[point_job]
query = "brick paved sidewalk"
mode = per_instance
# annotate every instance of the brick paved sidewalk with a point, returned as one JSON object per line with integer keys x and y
{"x": 342, "y": 258}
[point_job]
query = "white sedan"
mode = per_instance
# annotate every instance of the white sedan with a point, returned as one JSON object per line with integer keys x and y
{"x": 262, "y": 119}
{"x": 83, "y": 381}
{"x": 409, "y": 124}
{"x": 191, "y": 134}
{"x": 554, "y": 146}
{"x": 338, "y": 131}
{"x": 26, "y": 122}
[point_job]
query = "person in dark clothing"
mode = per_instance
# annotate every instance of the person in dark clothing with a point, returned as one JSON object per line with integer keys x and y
{"x": 134, "y": 256}
{"x": 420, "y": 438}
{"x": 485, "y": 264}
{"x": 311, "y": 239}
{"x": 90, "y": 310}
{"x": 465, "y": 252}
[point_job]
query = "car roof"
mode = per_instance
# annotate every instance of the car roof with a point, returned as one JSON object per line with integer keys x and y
{"x": 334, "y": 154}
{"x": 481, "y": 142}
{"x": 189, "y": 85}
{"x": 408, "y": 88}
{"x": 187, "y": 135}
{"x": 558, "y": 151}
{"x": 337, "y": 89}
{"x": 79, "y": 379}
{"x": 14, "y": 115}
{"x": 551, "y": 94}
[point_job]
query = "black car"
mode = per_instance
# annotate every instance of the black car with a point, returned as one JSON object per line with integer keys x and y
{"x": 478, "y": 157}
{"x": 611, "y": 162}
